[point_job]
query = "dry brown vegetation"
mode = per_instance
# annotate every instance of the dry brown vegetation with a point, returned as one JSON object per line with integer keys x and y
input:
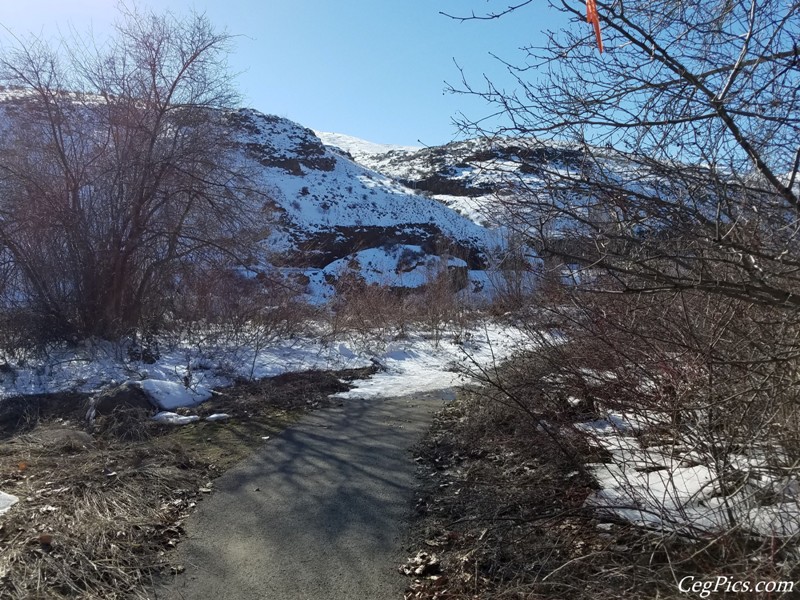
{"x": 374, "y": 314}
{"x": 710, "y": 382}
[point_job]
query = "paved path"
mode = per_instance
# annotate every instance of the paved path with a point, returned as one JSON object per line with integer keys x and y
{"x": 318, "y": 513}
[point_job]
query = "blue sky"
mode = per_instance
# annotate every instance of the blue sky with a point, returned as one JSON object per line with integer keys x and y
{"x": 375, "y": 69}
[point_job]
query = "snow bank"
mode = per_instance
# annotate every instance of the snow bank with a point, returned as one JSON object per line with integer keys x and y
{"x": 664, "y": 489}
{"x": 99, "y": 365}
{"x": 418, "y": 363}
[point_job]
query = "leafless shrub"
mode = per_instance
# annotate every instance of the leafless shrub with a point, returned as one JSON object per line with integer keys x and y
{"x": 376, "y": 313}
{"x": 678, "y": 381}
{"x": 370, "y": 311}
{"x": 116, "y": 168}
{"x": 515, "y": 273}
{"x": 661, "y": 388}
{"x": 223, "y": 309}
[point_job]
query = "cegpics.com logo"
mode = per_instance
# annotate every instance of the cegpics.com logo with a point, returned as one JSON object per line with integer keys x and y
{"x": 727, "y": 585}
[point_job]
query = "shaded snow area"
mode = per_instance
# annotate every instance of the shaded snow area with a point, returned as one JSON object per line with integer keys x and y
{"x": 173, "y": 394}
{"x": 185, "y": 374}
{"x": 390, "y": 267}
{"x": 480, "y": 209}
{"x": 667, "y": 487}
{"x": 398, "y": 266}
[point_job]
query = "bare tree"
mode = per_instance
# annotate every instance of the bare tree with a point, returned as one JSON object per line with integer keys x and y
{"x": 681, "y": 144}
{"x": 116, "y": 166}
{"x": 666, "y": 169}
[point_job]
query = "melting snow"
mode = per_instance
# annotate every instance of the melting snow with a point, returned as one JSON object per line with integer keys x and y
{"x": 655, "y": 487}
{"x": 171, "y": 418}
{"x": 419, "y": 362}
{"x": 421, "y": 365}
{"x": 218, "y": 417}
{"x": 169, "y": 394}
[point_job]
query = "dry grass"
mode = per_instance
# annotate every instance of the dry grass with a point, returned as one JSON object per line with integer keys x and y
{"x": 93, "y": 521}
{"x": 99, "y": 513}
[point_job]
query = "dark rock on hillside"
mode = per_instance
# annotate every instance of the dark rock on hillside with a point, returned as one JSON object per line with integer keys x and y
{"x": 304, "y": 149}
{"x": 464, "y": 168}
{"x": 323, "y": 248}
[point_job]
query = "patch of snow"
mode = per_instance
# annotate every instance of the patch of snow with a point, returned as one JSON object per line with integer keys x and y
{"x": 359, "y": 148}
{"x": 780, "y": 520}
{"x": 422, "y": 364}
{"x": 478, "y": 209}
{"x": 171, "y": 418}
{"x": 6, "y": 502}
{"x": 169, "y": 395}
{"x": 613, "y": 423}
{"x": 400, "y": 265}
{"x": 663, "y": 488}
{"x": 345, "y": 352}
{"x": 218, "y": 417}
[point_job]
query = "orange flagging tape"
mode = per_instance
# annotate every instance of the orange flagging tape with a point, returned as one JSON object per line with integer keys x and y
{"x": 593, "y": 18}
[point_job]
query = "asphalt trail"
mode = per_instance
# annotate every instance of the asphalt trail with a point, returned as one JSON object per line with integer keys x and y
{"x": 318, "y": 513}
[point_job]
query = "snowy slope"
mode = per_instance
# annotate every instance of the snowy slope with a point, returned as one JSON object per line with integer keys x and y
{"x": 492, "y": 181}
{"x": 360, "y": 149}
{"x": 330, "y": 211}
{"x": 319, "y": 192}
{"x": 467, "y": 176}
{"x": 463, "y": 168}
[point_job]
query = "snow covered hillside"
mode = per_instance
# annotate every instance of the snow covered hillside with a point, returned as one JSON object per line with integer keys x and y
{"x": 467, "y": 176}
{"x": 544, "y": 185}
{"x": 329, "y": 211}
